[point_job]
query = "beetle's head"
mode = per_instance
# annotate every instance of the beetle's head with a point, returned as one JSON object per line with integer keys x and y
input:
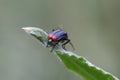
{"x": 49, "y": 40}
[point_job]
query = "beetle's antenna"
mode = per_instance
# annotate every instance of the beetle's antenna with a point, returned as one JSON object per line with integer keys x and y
{"x": 53, "y": 29}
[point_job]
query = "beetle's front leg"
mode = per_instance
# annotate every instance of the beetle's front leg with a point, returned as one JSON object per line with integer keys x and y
{"x": 47, "y": 44}
{"x": 53, "y": 47}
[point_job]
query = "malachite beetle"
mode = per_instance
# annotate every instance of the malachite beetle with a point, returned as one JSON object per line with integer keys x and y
{"x": 58, "y": 36}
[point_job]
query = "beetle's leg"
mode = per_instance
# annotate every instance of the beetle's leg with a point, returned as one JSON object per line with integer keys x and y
{"x": 68, "y": 41}
{"x": 72, "y": 45}
{"x": 53, "y": 47}
{"x": 47, "y": 44}
{"x": 63, "y": 45}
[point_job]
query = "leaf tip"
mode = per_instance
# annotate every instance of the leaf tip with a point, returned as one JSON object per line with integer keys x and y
{"x": 29, "y": 28}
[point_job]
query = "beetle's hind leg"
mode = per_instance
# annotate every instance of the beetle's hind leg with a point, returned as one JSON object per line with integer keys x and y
{"x": 67, "y": 41}
{"x": 63, "y": 45}
{"x": 72, "y": 45}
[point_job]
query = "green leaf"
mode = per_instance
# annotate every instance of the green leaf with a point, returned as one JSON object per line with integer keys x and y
{"x": 37, "y": 33}
{"x": 73, "y": 62}
{"x": 83, "y": 67}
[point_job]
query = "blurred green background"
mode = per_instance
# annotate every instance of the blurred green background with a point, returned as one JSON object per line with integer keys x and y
{"x": 92, "y": 25}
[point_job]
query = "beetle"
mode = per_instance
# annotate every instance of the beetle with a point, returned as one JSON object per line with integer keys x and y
{"x": 58, "y": 36}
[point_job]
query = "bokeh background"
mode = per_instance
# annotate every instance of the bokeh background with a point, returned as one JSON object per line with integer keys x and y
{"x": 92, "y": 25}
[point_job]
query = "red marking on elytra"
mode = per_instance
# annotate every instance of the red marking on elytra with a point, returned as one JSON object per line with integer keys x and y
{"x": 49, "y": 36}
{"x": 53, "y": 38}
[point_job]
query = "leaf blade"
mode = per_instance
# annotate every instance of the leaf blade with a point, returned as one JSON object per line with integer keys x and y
{"x": 38, "y": 33}
{"x": 83, "y": 67}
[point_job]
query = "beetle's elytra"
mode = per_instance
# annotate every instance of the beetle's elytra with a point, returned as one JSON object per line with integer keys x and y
{"x": 57, "y": 36}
